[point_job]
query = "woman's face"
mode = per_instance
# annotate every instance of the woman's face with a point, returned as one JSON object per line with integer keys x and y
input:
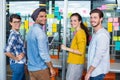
{"x": 74, "y": 22}
{"x": 15, "y": 24}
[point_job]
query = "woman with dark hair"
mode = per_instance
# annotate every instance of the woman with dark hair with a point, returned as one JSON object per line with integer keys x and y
{"x": 76, "y": 56}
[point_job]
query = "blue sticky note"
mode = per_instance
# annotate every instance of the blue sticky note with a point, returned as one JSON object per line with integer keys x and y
{"x": 117, "y": 48}
{"x": 117, "y": 45}
{"x": 56, "y": 8}
{"x": 59, "y": 17}
{"x": 56, "y": 13}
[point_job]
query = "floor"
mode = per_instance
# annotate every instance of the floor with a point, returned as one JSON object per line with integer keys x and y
{"x": 9, "y": 76}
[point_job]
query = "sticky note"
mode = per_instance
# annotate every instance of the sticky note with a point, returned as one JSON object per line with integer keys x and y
{"x": 69, "y": 14}
{"x": 118, "y": 38}
{"x": 104, "y": 7}
{"x": 115, "y": 19}
{"x": 115, "y": 38}
{"x": 49, "y": 33}
{"x": 117, "y": 45}
{"x": 22, "y": 26}
{"x": 86, "y": 24}
{"x": 72, "y": 29}
{"x": 56, "y": 8}
{"x": 54, "y": 27}
{"x": 50, "y": 15}
{"x": 116, "y": 24}
{"x": 56, "y": 13}
{"x": 116, "y": 28}
{"x": 26, "y": 24}
{"x": 110, "y": 19}
{"x": 59, "y": 17}
{"x": 110, "y": 27}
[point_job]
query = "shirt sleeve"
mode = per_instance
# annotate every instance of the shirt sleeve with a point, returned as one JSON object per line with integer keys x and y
{"x": 81, "y": 41}
{"x": 10, "y": 45}
{"x": 43, "y": 46}
{"x": 101, "y": 47}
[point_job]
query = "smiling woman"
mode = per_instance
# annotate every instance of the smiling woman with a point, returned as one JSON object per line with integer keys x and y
{"x": 15, "y": 22}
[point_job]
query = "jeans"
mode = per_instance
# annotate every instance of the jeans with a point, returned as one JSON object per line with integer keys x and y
{"x": 18, "y": 72}
{"x": 99, "y": 77}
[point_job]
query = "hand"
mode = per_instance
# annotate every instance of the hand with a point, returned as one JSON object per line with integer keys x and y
{"x": 20, "y": 56}
{"x": 52, "y": 72}
{"x": 87, "y": 76}
{"x": 63, "y": 47}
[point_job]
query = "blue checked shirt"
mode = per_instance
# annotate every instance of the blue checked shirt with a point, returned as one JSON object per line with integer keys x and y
{"x": 15, "y": 46}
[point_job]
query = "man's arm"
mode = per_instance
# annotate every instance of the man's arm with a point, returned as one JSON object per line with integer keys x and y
{"x": 90, "y": 70}
{"x": 50, "y": 66}
{"x": 44, "y": 51}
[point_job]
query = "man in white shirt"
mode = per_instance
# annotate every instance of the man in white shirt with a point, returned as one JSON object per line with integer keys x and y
{"x": 98, "y": 51}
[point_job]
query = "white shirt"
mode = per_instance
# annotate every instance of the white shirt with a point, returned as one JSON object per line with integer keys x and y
{"x": 98, "y": 53}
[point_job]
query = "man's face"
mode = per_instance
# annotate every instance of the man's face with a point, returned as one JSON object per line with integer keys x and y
{"x": 15, "y": 24}
{"x": 41, "y": 19}
{"x": 95, "y": 20}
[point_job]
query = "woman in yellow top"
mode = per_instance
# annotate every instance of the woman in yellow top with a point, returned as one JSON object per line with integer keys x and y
{"x": 76, "y": 56}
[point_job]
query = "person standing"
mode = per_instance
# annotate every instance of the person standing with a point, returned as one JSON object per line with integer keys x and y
{"x": 15, "y": 49}
{"x": 98, "y": 52}
{"x": 39, "y": 63}
{"x": 76, "y": 56}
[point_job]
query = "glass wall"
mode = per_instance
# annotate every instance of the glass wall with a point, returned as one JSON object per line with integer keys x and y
{"x": 54, "y": 26}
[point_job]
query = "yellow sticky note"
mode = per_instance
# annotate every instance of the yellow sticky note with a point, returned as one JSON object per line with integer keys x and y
{"x": 110, "y": 28}
{"x": 26, "y": 24}
{"x": 115, "y": 38}
{"x": 69, "y": 14}
{"x": 72, "y": 29}
{"x": 119, "y": 38}
{"x": 54, "y": 27}
{"x": 50, "y": 15}
{"x": 49, "y": 33}
{"x": 86, "y": 24}
{"x": 22, "y": 26}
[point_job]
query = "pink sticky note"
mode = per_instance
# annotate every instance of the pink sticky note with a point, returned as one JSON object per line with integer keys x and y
{"x": 115, "y": 24}
{"x": 115, "y": 19}
{"x": 84, "y": 11}
{"x": 104, "y": 7}
{"x": 110, "y": 19}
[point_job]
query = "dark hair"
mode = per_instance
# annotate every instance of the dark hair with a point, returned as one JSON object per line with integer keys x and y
{"x": 97, "y": 11}
{"x": 14, "y": 16}
{"x": 82, "y": 26}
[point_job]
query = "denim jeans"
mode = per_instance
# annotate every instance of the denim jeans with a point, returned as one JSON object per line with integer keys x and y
{"x": 99, "y": 77}
{"x": 18, "y": 72}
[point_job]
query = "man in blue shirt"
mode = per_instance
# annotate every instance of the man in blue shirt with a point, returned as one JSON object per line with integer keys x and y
{"x": 39, "y": 63}
{"x": 98, "y": 50}
{"x": 15, "y": 49}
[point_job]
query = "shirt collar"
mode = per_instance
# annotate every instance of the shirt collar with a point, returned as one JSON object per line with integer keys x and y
{"x": 14, "y": 31}
{"x": 99, "y": 30}
{"x": 38, "y": 25}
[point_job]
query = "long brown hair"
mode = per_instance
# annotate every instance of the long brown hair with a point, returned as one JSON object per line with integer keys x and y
{"x": 82, "y": 26}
